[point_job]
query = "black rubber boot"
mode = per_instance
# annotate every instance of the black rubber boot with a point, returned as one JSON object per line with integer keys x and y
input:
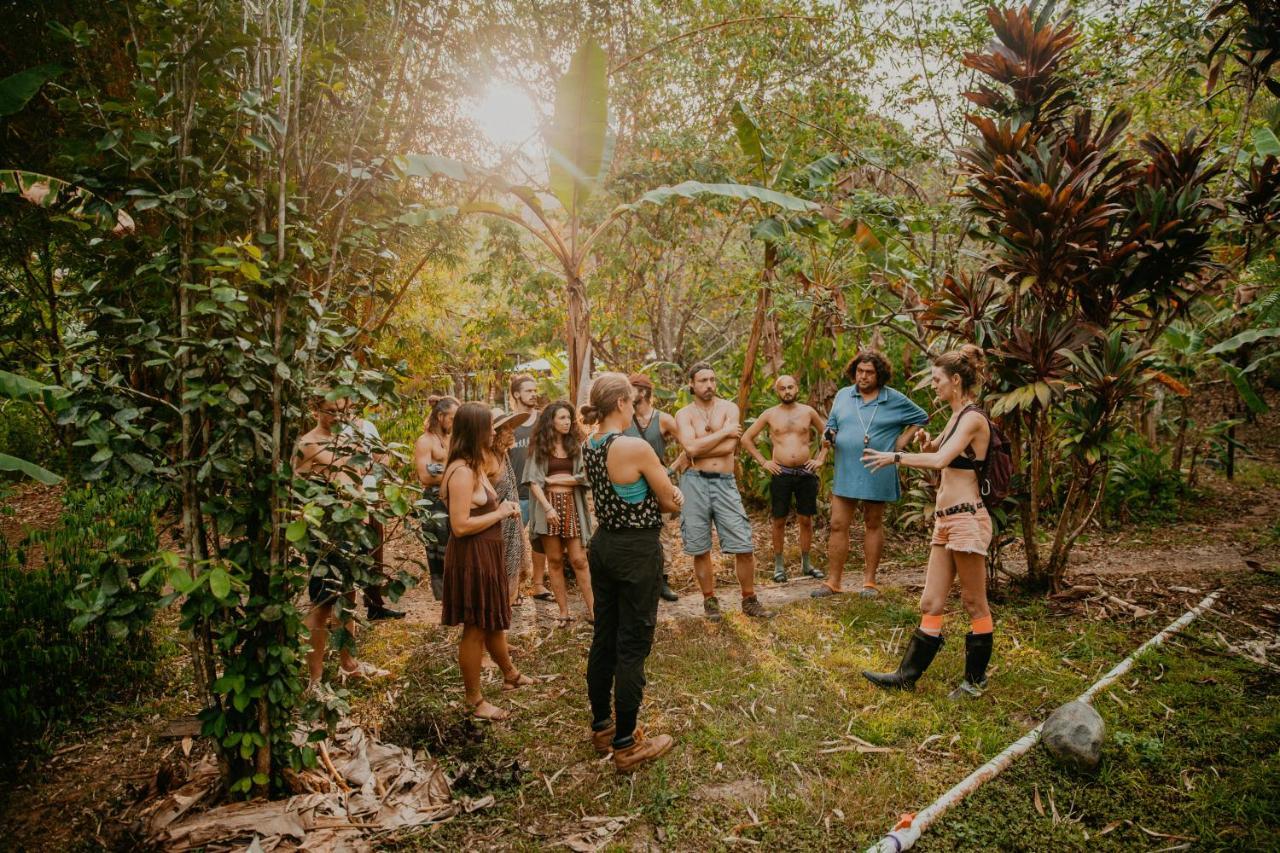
{"x": 977, "y": 654}
{"x": 920, "y": 653}
{"x": 667, "y": 593}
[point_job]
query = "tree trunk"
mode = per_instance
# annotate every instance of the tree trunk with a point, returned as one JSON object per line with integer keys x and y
{"x": 577, "y": 338}
{"x": 764, "y": 299}
{"x": 1180, "y": 445}
{"x": 1036, "y": 575}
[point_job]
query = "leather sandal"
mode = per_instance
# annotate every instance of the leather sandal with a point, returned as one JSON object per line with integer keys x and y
{"x": 521, "y": 680}
{"x": 497, "y": 716}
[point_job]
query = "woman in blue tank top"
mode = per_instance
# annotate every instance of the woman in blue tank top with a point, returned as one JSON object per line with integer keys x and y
{"x": 631, "y": 491}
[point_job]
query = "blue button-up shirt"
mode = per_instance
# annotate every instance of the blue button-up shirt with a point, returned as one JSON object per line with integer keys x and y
{"x": 884, "y": 419}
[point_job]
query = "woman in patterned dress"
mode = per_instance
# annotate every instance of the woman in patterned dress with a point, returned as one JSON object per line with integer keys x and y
{"x": 517, "y": 555}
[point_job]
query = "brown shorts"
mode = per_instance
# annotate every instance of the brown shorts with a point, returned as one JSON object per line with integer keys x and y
{"x": 966, "y": 532}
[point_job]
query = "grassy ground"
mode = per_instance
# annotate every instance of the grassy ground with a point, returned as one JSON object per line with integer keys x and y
{"x": 773, "y": 721}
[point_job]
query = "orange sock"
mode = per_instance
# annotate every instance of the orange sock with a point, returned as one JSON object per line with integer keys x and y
{"x": 931, "y": 624}
{"x": 982, "y": 626}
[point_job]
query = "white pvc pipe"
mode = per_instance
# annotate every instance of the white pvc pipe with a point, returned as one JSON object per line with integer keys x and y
{"x": 909, "y": 830}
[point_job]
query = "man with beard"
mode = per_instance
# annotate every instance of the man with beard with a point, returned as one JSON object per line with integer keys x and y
{"x": 792, "y": 428}
{"x": 524, "y": 402}
{"x": 709, "y": 432}
{"x": 430, "y": 453}
{"x": 867, "y": 415}
{"x": 659, "y": 430}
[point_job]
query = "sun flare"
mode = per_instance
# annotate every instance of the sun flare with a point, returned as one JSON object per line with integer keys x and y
{"x": 505, "y": 114}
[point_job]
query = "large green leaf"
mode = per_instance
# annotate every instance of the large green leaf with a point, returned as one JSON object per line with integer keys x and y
{"x": 749, "y": 140}
{"x": 1265, "y": 141}
{"x": 820, "y": 171}
{"x": 431, "y": 166}
{"x": 1244, "y": 389}
{"x": 1243, "y": 339}
{"x": 17, "y": 387}
{"x": 17, "y": 89}
{"x": 576, "y": 142}
{"x": 46, "y": 191}
{"x": 35, "y": 472}
{"x": 697, "y": 189}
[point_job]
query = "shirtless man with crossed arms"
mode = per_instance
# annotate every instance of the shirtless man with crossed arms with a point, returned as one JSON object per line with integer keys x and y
{"x": 709, "y": 431}
{"x": 792, "y": 428}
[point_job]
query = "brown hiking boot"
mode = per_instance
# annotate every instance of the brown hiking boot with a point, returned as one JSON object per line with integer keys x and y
{"x": 752, "y": 607}
{"x": 603, "y": 741}
{"x": 643, "y": 750}
{"x": 711, "y": 608}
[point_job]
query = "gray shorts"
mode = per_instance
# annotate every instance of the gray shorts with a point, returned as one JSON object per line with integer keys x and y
{"x": 715, "y": 500}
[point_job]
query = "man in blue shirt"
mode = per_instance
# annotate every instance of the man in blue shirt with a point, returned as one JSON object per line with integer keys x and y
{"x": 866, "y": 414}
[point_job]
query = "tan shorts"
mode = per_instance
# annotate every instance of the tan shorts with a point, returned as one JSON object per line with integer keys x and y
{"x": 967, "y": 532}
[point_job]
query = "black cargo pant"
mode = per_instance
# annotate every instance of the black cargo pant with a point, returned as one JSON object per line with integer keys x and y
{"x": 626, "y": 577}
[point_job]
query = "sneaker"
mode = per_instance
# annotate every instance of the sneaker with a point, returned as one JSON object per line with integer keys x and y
{"x": 711, "y": 608}
{"x": 752, "y": 607}
{"x": 376, "y": 613}
{"x": 629, "y": 759}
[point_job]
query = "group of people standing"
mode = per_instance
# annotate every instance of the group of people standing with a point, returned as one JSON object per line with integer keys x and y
{"x": 506, "y": 494}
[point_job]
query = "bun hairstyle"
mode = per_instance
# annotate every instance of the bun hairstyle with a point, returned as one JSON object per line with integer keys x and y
{"x": 608, "y": 390}
{"x": 967, "y": 363}
{"x": 441, "y": 407}
{"x": 517, "y": 380}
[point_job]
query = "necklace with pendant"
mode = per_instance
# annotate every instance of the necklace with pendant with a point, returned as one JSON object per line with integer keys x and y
{"x": 866, "y": 426}
{"x": 706, "y": 421}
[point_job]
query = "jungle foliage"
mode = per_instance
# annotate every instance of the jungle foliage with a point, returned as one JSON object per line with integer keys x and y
{"x": 218, "y": 212}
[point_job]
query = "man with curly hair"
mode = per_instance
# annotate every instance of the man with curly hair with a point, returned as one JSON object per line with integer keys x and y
{"x": 866, "y": 414}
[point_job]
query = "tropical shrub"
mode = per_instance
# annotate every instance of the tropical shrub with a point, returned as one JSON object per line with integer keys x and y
{"x": 62, "y": 647}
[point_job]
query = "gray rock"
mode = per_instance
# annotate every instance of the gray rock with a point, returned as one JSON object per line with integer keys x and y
{"x": 1073, "y": 734}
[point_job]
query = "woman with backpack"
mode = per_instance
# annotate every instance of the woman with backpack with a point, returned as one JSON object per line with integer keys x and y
{"x": 966, "y": 453}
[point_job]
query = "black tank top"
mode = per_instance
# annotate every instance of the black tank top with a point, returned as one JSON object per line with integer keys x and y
{"x": 966, "y": 461}
{"x": 612, "y": 512}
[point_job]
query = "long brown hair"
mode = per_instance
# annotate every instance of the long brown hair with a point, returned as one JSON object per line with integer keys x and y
{"x": 545, "y": 437}
{"x": 469, "y": 438}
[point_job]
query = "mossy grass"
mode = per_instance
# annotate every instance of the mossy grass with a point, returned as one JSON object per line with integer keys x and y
{"x": 773, "y": 726}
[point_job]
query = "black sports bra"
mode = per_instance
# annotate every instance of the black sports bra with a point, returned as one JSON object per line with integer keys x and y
{"x": 965, "y": 461}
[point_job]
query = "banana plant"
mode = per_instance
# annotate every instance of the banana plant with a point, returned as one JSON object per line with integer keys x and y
{"x": 21, "y": 388}
{"x": 578, "y": 161}
{"x": 779, "y": 174}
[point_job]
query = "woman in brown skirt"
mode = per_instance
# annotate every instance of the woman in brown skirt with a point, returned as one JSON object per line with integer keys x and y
{"x": 558, "y": 512}
{"x": 475, "y": 580}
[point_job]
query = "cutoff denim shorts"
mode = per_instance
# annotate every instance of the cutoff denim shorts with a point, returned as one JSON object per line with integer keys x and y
{"x": 713, "y": 500}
